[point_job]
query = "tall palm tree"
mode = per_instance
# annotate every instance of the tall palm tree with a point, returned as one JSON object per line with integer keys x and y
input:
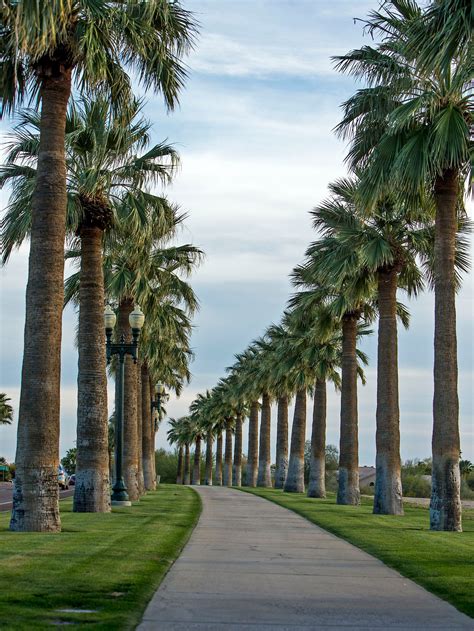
{"x": 287, "y": 355}
{"x": 6, "y": 410}
{"x": 165, "y": 348}
{"x": 390, "y": 243}
{"x": 201, "y": 408}
{"x": 248, "y": 393}
{"x": 177, "y": 436}
{"x": 424, "y": 143}
{"x": 283, "y": 393}
{"x": 104, "y": 173}
{"x": 348, "y": 293}
{"x": 45, "y": 44}
{"x": 141, "y": 269}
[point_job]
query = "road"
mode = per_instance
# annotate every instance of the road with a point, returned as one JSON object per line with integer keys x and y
{"x": 6, "y": 490}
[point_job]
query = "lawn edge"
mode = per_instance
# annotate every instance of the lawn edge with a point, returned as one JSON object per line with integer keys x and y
{"x": 441, "y": 596}
{"x": 156, "y": 586}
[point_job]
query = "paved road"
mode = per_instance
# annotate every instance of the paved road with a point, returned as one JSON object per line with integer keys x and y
{"x": 252, "y": 565}
{"x": 6, "y": 490}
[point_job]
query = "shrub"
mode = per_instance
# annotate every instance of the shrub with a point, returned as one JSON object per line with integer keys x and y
{"x": 415, "y": 486}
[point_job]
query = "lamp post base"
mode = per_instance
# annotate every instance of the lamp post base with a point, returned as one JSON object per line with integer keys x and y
{"x": 121, "y": 503}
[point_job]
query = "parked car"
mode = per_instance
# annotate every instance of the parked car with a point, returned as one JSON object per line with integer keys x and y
{"x": 72, "y": 480}
{"x": 63, "y": 478}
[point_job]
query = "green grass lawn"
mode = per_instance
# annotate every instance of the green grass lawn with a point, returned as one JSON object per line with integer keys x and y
{"x": 108, "y": 563}
{"x": 443, "y": 562}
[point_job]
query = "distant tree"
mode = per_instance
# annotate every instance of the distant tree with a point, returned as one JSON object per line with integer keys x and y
{"x": 6, "y": 410}
{"x": 3, "y": 460}
{"x": 466, "y": 467}
{"x": 69, "y": 460}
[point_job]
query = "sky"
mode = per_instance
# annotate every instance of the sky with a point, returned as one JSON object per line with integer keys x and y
{"x": 254, "y": 133}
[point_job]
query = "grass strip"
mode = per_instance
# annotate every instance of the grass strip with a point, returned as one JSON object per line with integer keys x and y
{"x": 106, "y": 564}
{"x": 442, "y": 562}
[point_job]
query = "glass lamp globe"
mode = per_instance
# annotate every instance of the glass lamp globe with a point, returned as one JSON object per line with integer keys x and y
{"x": 136, "y": 318}
{"x": 160, "y": 388}
{"x": 109, "y": 317}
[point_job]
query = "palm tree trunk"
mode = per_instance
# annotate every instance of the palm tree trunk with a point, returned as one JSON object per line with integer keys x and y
{"x": 153, "y": 433}
{"x": 179, "y": 473}
{"x": 208, "y": 474}
{"x": 282, "y": 443}
{"x": 348, "y": 480}
{"x": 228, "y": 454}
{"x": 147, "y": 451}
{"x": 237, "y": 471}
{"x": 252, "y": 462}
{"x": 36, "y": 492}
{"x": 388, "y": 482}
{"x": 141, "y": 475}
{"x": 187, "y": 465}
{"x": 197, "y": 462}
{"x": 317, "y": 472}
{"x": 264, "y": 460}
{"x": 92, "y": 488}
{"x": 219, "y": 459}
{"x": 130, "y": 436}
{"x": 295, "y": 478}
{"x": 445, "y": 507}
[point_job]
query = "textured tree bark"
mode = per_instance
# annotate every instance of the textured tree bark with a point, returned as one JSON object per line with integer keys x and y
{"x": 388, "y": 498}
{"x": 153, "y": 433}
{"x": 130, "y": 435}
{"x": 208, "y": 473}
{"x": 141, "y": 475}
{"x": 228, "y": 453}
{"x": 36, "y": 491}
{"x": 92, "y": 488}
{"x": 264, "y": 460}
{"x": 237, "y": 471}
{"x": 147, "y": 451}
{"x": 295, "y": 479}
{"x": 187, "y": 465}
{"x": 282, "y": 443}
{"x": 179, "y": 473}
{"x": 317, "y": 472}
{"x": 252, "y": 462}
{"x": 196, "y": 479}
{"x": 348, "y": 481}
{"x": 219, "y": 459}
{"x": 445, "y": 507}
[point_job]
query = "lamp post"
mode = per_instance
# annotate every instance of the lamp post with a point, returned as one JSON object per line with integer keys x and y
{"x": 121, "y": 349}
{"x": 156, "y": 404}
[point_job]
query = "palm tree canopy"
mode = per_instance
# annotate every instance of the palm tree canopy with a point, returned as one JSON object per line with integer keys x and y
{"x": 110, "y": 171}
{"x": 6, "y": 410}
{"x": 103, "y": 42}
{"x": 420, "y": 129}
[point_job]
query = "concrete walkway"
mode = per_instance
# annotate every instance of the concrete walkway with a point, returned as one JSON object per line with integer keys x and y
{"x": 251, "y": 564}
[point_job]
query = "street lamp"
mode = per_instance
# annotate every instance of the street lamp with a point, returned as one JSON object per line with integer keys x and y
{"x": 160, "y": 396}
{"x": 122, "y": 349}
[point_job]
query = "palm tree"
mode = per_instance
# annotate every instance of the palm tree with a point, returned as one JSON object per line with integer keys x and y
{"x": 348, "y": 292}
{"x": 165, "y": 350}
{"x": 141, "y": 269}
{"x": 247, "y": 392}
{"x": 389, "y": 242}
{"x": 201, "y": 408}
{"x": 424, "y": 143}
{"x": 283, "y": 393}
{"x": 291, "y": 363}
{"x": 6, "y": 410}
{"x": 104, "y": 173}
{"x": 176, "y": 436}
{"x": 45, "y": 44}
